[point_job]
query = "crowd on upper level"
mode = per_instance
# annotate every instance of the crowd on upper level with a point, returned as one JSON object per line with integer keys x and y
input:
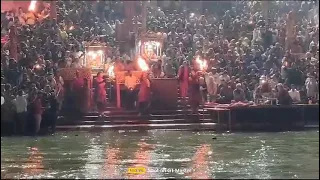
{"x": 244, "y": 45}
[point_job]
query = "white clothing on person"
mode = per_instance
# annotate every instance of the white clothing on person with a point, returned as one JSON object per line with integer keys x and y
{"x": 225, "y": 77}
{"x": 312, "y": 87}
{"x": 211, "y": 83}
{"x": 216, "y": 78}
{"x": 295, "y": 95}
{"x": 21, "y": 103}
{"x": 2, "y": 100}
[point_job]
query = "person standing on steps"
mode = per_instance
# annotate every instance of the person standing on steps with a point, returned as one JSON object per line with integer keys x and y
{"x": 195, "y": 95}
{"x": 130, "y": 83}
{"x": 86, "y": 97}
{"x": 144, "y": 94}
{"x": 21, "y": 104}
{"x": 77, "y": 86}
{"x": 183, "y": 76}
{"x": 100, "y": 93}
{"x": 37, "y": 111}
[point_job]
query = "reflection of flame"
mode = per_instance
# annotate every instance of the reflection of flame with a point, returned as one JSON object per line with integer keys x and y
{"x": 202, "y": 63}
{"x": 142, "y": 158}
{"x": 32, "y": 5}
{"x": 111, "y": 71}
{"x": 200, "y": 163}
{"x": 111, "y": 161}
{"x": 34, "y": 165}
{"x": 142, "y": 64}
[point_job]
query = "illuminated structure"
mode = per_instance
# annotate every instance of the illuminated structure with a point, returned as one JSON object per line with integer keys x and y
{"x": 149, "y": 46}
{"x": 95, "y": 55}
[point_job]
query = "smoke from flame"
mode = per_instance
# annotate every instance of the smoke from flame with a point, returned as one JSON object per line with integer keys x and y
{"x": 142, "y": 64}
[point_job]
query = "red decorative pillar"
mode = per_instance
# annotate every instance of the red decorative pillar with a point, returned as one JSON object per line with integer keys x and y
{"x": 13, "y": 52}
{"x": 53, "y": 9}
{"x": 118, "y": 95}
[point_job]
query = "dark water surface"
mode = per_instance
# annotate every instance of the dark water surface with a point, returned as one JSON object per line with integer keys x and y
{"x": 183, "y": 154}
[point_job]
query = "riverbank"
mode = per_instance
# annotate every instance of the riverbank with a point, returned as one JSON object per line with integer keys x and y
{"x": 235, "y": 119}
{"x": 254, "y": 118}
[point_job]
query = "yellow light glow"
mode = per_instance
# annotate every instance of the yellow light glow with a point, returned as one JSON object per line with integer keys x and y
{"x": 32, "y": 5}
{"x": 202, "y": 63}
{"x": 142, "y": 64}
{"x": 37, "y": 66}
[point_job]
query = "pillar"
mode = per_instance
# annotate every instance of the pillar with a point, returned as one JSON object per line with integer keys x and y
{"x": 53, "y": 9}
{"x": 265, "y": 9}
{"x": 130, "y": 12}
{"x": 118, "y": 96}
{"x": 144, "y": 16}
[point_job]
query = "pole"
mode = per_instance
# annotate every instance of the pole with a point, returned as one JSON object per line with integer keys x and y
{"x": 129, "y": 14}
{"x": 53, "y": 9}
{"x": 265, "y": 9}
{"x": 144, "y": 16}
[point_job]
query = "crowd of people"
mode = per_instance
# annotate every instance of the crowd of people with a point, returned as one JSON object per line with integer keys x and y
{"x": 251, "y": 54}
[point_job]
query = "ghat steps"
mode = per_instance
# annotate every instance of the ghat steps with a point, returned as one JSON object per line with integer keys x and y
{"x": 118, "y": 119}
{"x": 130, "y": 120}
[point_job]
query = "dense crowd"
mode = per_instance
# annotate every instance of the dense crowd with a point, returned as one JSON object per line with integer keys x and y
{"x": 245, "y": 49}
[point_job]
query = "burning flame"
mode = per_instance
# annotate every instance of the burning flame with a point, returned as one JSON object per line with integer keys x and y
{"x": 71, "y": 28}
{"x": 202, "y": 63}
{"x": 32, "y": 5}
{"x": 37, "y": 66}
{"x": 142, "y": 64}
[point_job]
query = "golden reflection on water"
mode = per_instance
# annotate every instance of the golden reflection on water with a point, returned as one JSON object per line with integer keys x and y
{"x": 200, "y": 165}
{"x": 142, "y": 159}
{"x": 110, "y": 163}
{"x": 34, "y": 165}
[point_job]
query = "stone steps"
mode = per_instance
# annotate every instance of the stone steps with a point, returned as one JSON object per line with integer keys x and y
{"x": 116, "y": 111}
{"x": 103, "y": 121}
{"x": 150, "y": 117}
{"x": 114, "y": 118}
{"x": 139, "y": 127}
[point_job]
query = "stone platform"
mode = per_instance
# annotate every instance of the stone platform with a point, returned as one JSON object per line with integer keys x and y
{"x": 254, "y": 118}
{"x": 266, "y": 118}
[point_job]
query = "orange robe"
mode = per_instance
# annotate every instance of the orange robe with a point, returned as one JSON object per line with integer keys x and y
{"x": 183, "y": 75}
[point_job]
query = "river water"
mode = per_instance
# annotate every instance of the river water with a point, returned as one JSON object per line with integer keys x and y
{"x": 162, "y": 154}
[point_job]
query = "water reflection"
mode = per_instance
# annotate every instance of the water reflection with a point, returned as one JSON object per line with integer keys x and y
{"x": 200, "y": 168}
{"x": 142, "y": 159}
{"x": 108, "y": 155}
{"x": 94, "y": 158}
{"x": 34, "y": 165}
{"x": 111, "y": 161}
